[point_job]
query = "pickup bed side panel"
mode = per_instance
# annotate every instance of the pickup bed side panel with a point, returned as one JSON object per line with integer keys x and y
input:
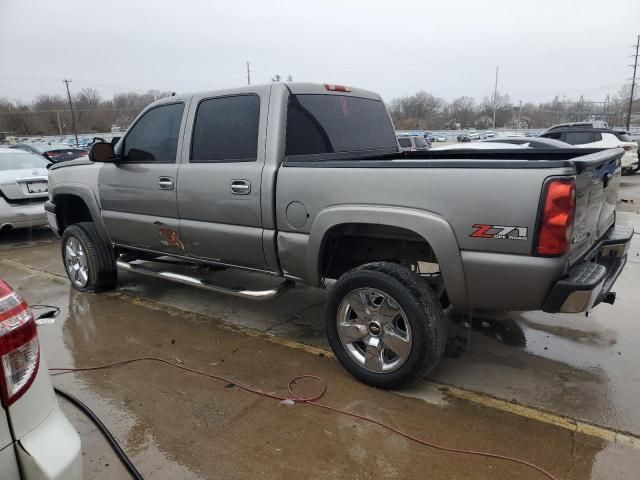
{"x": 442, "y": 204}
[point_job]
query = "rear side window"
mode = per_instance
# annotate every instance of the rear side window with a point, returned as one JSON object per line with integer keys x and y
{"x": 554, "y": 135}
{"x": 579, "y": 138}
{"x": 404, "y": 142}
{"x": 226, "y": 130}
{"x": 319, "y": 124}
{"x": 154, "y": 138}
{"x": 420, "y": 142}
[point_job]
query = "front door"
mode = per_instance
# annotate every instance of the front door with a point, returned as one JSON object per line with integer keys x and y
{"x": 138, "y": 192}
{"x": 219, "y": 179}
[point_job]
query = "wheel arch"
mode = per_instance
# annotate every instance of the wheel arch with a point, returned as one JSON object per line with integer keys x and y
{"x": 430, "y": 228}
{"x": 74, "y": 204}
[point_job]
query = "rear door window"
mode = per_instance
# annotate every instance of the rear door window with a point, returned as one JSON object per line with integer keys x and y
{"x": 226, "y": 130}
{"x": 420, "y": 142}
{"x": 154, "y": 138}
{"x": 404, "y": 142}
{"x": 579, "y": 138}
{"x": 318, "y": 124}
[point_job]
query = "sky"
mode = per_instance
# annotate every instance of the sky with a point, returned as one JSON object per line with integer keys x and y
{"x": 448, "y": 48}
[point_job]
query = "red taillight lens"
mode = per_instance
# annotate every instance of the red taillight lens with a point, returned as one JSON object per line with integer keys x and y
{"x": 628, "y": 148}
{"x": 84, "y": 153}
{"x": 336, "y": 88}
{"x": 556, "y": 224}
{"x": 19, "y": 347}
{"x": 53, "y": 154}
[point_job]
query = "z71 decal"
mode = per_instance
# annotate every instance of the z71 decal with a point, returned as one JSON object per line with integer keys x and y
{"x": 500, "y": 231}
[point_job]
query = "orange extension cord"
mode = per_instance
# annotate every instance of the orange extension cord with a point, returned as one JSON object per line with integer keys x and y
{"x": 312, "y": 400}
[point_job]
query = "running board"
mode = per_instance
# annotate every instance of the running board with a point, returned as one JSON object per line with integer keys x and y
{"x": 206, "y": 285}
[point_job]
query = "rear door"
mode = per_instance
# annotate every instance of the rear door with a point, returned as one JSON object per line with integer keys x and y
{"x": 220, "y": 178}
{"x": 138, "y": 193}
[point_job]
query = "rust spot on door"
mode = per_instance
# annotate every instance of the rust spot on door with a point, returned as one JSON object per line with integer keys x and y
{"x": 170, "y": 238}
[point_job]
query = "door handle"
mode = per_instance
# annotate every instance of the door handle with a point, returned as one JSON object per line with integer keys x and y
{"x": 240, "y": 187}
{"x": 165, "y": 183}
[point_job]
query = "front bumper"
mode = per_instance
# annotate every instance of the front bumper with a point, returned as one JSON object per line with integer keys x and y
{"x": 21, "y": 215}
{"x": 589, "y": 282}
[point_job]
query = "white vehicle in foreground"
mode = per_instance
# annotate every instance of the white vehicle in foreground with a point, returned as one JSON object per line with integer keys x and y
{"x": 37, "y": 442}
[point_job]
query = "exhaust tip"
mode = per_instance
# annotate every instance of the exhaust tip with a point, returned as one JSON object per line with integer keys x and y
{"x": 610, "y": 298}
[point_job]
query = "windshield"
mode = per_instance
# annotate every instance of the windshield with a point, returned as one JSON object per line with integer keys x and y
{"x": 337, "y": 123}
{"x": 16, "y": 160}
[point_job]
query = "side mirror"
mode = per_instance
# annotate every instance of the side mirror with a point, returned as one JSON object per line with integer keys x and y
{"x": 102, "y": 152}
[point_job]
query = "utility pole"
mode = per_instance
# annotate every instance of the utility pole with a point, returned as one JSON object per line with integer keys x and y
{"x": 495, "y": 98}
{"x": 519, "y": 114}
{"x": 59, "y": 125}
{"x": 73, "y": 117}
{"x": 633, "y": 83}
{"x": 248, "y": 74}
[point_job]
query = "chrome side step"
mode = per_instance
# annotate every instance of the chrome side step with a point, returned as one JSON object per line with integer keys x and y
{"x": 205, "y": 284}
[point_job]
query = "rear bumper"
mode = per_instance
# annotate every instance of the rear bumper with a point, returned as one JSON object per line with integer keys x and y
{"x": 52, "y": 451}
{"x": 21, "y": 215}
{"x": 589, "y": 282}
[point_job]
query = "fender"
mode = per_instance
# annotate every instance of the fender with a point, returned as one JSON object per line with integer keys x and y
{"x": 89, "y": 198}
{"x": 434, "y": 229}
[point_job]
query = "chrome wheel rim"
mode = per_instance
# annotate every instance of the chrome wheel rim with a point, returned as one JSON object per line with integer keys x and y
{"x": 75, "y": 262}
{"x": 374, "y": 330}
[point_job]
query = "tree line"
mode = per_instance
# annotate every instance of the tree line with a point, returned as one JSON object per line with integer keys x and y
{"x": 50, "y": 114}
{"x": 424, "y": 111}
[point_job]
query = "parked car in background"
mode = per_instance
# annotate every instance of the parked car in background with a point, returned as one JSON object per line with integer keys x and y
{"x": 594, "y": 124}
{"x": 531, "y": 142}
{"x": 23, "y": 189}
{"x": 489, "y": 134}
{"x": 412, "y": 143}
{"x": 430, "y": 137}
{"x": 442, "y": 137}
{"x": 474, "y": 135}
{"x": 463, "y": 137}
{"x": 37, "y": 442}
{"x": 55, "y": 153}
{"x": 586, "y": 137}
{"x": 480, "y": 146}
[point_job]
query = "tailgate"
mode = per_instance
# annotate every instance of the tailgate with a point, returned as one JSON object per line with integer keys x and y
{"x": 597, "y": 183}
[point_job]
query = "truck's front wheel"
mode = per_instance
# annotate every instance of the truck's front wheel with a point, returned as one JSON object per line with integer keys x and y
{"x": 385, "y": 325}
{"x": 88, "y": 259}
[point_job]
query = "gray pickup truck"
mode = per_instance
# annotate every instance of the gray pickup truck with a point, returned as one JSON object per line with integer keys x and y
{"x": 306, "y": 182}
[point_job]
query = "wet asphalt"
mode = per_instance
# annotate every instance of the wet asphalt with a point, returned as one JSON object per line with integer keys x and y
{"x": 175, "y": 425}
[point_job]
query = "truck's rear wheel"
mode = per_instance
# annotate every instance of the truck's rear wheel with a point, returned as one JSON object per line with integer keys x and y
{"x": 385, "y": 325}
{"x": 88, "y": 259}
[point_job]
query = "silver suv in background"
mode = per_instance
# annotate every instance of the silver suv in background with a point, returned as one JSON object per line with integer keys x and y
{"x": 412, "y": 143}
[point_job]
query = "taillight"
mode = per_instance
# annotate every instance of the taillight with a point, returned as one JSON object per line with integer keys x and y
{"x": 628, "y": 148}
{"x": 84, "y": 153}
{"x": 556, "y": 223}
{"x": 52, "y": 154}
{"x": 336, "y": 88}
{"x": 19, "y": 347}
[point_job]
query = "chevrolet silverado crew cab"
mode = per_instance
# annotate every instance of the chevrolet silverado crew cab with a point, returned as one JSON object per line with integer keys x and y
{"x": 306, "y": 182}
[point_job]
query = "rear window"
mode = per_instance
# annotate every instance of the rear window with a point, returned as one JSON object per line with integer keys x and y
{"x": 319, "y": 124}
{"x": 421, "y": 142}
{"x": 21, "y": 160}
{"x": 579, "y": 138}
{"x": 404, "y": 142}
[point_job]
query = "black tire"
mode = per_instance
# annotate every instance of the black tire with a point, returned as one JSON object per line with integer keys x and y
{"x": 100, "y": 260}
{"x": 422, "y": 310}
